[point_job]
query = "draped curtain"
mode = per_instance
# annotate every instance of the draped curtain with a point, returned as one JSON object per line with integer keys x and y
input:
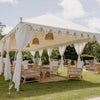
{"x": 1, "y": 58}
{"x": 49, "y": 50}
{"x": 7, "y": 72}
{"x": 79, "y": 48}
{"x": 40, "y": 52}
{"x": 27, "y": 32}
{"x": 33, "y": 54}
{"x": 61, "y": 51}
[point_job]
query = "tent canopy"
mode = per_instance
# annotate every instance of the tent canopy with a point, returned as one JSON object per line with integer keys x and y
{"x": 42, "y": 33}
{"x": 63, "y": 33}
{"x": 53, "y": 21}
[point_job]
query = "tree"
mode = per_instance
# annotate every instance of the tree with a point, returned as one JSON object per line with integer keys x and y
{"x": 55, "y": 54}
{"x": 26, "y": 55}
{"x": 89, "y": 48}
{"x": 45, "y": 55}
{"x": 1, "y": 30}
{"x": 96, "y": 50}
{"x": 1, "y": 27}
{"x": 70, "y": 53}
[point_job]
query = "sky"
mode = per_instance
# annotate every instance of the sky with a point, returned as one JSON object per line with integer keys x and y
{"x": 84, "y": 12}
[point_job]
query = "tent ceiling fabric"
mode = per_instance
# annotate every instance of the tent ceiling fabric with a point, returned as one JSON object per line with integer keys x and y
{"x": 59, "y": 40}
{"x": 53, "y": 21}
{"x": 65, "y": 33}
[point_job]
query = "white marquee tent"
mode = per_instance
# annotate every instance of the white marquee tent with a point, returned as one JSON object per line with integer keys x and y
{"x": 44, "y": 32}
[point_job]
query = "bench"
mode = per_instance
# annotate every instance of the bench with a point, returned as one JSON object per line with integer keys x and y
{"x": 27, "y": 73}
{"x": 30, "y": 74}
{"x": 74, "y": 71}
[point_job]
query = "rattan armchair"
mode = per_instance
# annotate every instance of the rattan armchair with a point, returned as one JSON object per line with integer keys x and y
{"x": 75, "y": 71}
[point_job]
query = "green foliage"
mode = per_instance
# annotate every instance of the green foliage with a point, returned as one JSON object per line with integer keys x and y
{"x": 12, "y": 55}
{"x": 26, "y": 55}
{"x": 93, "y": 49}
{"x": 45, "y": 55}
{"x": 55, "y": 54}
{"x": 4, "y": 54}
{"x": 37, "y": 57}
{"x": 37, "y": 54}
{"x": 70, "y": 53}
{"x": 89, "y": 48}
{"x": 96, "y": 50}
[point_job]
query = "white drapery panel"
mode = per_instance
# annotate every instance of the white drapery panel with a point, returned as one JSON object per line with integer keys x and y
{"x": 40, "y": 52}
{"x": 7, "y": 72}
{"x": 61, "y": 51}
{"x": 1, "y": 58}
{"x": 79, "y": 48}
{"x": 49, "y": 50}
{"x": 49, "y": 53}
{"x": 23, "y": 36}
{"x": 33, "y": 54}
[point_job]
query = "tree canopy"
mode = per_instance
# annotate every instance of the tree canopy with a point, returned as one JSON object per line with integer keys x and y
{"x": 1, "y": 30}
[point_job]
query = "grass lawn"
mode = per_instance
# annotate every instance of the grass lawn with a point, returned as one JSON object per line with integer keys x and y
{"x": 89, "y": 87}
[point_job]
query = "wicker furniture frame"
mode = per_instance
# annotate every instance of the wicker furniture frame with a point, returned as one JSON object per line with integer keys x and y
{"x": 74, "y": 71}
{"x": 29, "y": 74}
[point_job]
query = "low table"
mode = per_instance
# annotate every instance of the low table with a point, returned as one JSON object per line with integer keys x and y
{"x": 44, "y": 70}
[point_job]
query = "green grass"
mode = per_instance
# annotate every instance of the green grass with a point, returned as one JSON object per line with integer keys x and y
{"x": 89, "y": 87}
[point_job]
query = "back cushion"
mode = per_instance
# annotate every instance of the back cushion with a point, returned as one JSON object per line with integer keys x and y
{"x": 54, "y": 63}
{"x": 25, "y": 64}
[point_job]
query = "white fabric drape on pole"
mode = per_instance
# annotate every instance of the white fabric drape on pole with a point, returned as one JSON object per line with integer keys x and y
{"x": 40, "y": 52}
{"x": 33, "y": 54}
{"x": 1, "y": 58}
{"x": 7, "y": 72}
{"x": 61, "y": 51}
{"x": 23, "y": 36}
{"x": 79, "y": 48}
{"x": 49, "y": 50}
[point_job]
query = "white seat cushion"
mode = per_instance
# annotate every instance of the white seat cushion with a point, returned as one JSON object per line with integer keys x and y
{"x": 25, "y": 64}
